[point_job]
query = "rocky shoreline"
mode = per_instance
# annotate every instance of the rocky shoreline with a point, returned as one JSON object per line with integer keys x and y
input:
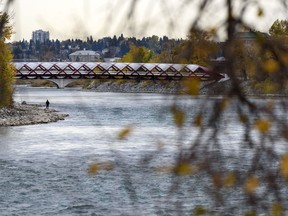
{"x": 146, "y": 86}
{"x": 28, "y": 114}
{"x": 175, "y": 87}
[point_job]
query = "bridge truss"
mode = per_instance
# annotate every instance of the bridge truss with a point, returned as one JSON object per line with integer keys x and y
{"x": 104, "y": 70}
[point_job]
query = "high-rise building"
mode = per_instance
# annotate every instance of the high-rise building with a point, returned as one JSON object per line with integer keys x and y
{"x": 40, "y": 35}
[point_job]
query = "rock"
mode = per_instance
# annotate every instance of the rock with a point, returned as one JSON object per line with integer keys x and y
{"x": 25, "y": 114}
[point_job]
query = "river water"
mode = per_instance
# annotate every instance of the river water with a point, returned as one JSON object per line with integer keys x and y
{"x": 43, "y": 168}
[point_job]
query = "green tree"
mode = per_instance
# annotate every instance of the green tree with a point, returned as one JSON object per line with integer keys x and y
{"x": 197, "y": 49}
{"x": 279, "y": 28}
{"x": 7, "y": 71}
{"x": 153, "y": 44}
{"x": 138, "y": 55}
{"x": 167, "y": 53}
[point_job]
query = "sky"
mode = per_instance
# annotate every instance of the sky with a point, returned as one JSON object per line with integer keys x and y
{"x": 66, "y": 19}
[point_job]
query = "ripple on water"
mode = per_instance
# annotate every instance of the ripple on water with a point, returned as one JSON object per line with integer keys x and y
{"x": 43, "y": 168}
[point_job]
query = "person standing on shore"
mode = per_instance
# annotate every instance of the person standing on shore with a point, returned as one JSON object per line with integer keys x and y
{"x": 47, "y": 104}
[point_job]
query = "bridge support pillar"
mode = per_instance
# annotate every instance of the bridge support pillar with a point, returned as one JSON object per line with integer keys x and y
{"x": 62, "y": 83}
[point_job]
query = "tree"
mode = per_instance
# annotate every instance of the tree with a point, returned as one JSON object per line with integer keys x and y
{"x": 279, "y": 28}
{"x": 7, "y": 71}
{"x": 153, "y": 44}
{"x": 167, "y": 54}
{"x": 137, "y": 55}
{"x": 247, "y": 48}
{"x": 197, "y": 49}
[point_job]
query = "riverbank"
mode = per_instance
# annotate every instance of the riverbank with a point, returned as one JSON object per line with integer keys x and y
{"x": 176, "y": 87}
{"x": 28, "y": 114}
{"x": 143, "y": 86}
{"x": 132, "y": 86}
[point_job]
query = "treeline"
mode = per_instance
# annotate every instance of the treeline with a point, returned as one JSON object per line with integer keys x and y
{"x": 198, "y": 48}
{"x": 108, "y": 47}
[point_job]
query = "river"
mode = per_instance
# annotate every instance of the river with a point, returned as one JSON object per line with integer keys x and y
{"x": 43, "y": 168}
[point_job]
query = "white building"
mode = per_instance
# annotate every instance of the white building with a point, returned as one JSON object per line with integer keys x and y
{"x": 40, "y": 35}
{"x": 84, "y": 56}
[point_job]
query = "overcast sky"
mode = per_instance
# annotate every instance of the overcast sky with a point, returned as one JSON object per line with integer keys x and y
{"x": 81, "y": 18}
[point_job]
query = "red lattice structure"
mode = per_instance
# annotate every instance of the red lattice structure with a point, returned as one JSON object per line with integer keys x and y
{"x": 104, "y": 70}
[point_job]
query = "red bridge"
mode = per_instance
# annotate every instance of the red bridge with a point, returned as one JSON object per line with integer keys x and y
{"x": 63, "y": 73}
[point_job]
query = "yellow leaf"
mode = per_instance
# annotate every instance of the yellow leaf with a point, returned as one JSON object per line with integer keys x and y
{"x": 185, "y": 168}
{"x": 251, "y": 184}
{"x": 124, "y": 133}
{"x": 276, "y": 210}
{"x": 179, "y": 116}
{"x": 271, "y": 66}
{"x": 263, "y": 125}
{"x": 230, "y": 179}
{"x": 93, "y": 168}
{"x": 192, "y": 86}
{"x": 198, "y": 120}
{"x": 284, "y": 165}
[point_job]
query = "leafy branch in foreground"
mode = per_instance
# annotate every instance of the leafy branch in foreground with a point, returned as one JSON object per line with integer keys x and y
{"x": 232, "y": 149}
{"x": 237, "y": 153}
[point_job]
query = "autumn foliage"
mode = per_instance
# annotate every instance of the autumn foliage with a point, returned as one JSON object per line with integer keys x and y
{"x": 7, "y": 71}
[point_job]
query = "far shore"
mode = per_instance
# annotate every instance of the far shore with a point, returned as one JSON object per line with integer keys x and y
{"x": 162, "y": 87}
{"x": 28, "y": 114}
{"x": 212, "y": 89}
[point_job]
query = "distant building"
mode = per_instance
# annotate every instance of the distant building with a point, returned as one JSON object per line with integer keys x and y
{"x": 249, "y": 37}
{"x": 40, "y": 36}
{"x": 84, "y": 56}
